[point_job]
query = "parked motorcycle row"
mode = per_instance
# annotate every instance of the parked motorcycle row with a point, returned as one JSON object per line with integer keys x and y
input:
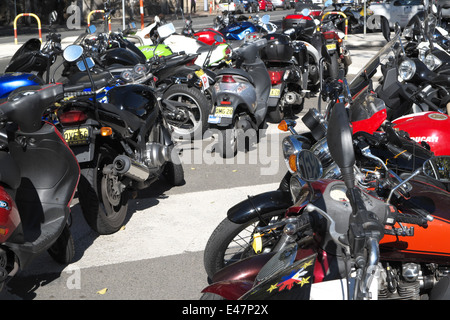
{"x": 361, "y": 212}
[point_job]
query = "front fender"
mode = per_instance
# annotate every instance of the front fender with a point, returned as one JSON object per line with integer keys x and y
{"x": 259, "y": 205}
{"x": 230, "y": 290}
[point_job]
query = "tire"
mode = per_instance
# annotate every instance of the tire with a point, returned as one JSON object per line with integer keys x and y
{"x": 174, "y": 174}
{"x": 195, "y": 125}
{"x": 333, "y": 67}
{"x": 218, "y": 252}
{"x": 228, "y": 141}
{"x": 63, "y": 250}
{"x": 101, "y": 215}
{"x": 276, "y": 115}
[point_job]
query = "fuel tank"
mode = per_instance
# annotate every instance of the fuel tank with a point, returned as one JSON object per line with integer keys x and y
{"x": 428, "y": 244}
{"x": 12, "y": 81}
{"x": 431, "y": 127}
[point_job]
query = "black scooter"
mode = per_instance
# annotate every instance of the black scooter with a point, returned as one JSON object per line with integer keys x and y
{"x": 39, "y": 176}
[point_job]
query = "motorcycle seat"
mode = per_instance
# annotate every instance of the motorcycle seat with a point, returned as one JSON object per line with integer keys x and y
{"x": 238, "y": 72}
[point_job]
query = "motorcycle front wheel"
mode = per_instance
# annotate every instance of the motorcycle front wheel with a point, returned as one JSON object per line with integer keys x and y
{"x": 104, "y": 206}
{"x": 194, "y": 122}
{"x": 231, "y": 242}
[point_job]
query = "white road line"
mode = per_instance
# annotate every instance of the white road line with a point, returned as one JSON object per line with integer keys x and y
{"x": 158, "y": 227}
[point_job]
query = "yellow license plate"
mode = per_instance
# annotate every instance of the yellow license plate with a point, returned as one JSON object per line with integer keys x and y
{"x": 225, "y": 112}
{"x": 331, "y": 46}
{"x": 274, "y": 92}
{"x": 76, "y": 136}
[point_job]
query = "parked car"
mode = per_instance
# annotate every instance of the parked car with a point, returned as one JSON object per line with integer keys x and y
{"x": 400, "y": 11}
{"x": 266, "y": 5}
{"x": 231, "y": 5}
{"x": 285, "y": 4}
{"x": 250, "y": 5}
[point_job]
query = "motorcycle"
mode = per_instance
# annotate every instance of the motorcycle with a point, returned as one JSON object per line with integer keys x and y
{"x": 207, "y": 35}
{"x": 122, "y": 145}
{"x": 342, "y": 241}
{"x": 321, "y": 63}
{"x": 241, "y": 98}
{"x": 184, "y": 82}
{"x": 235, "y": 28}
{"x": 367, "y": 113}
{"x": 38, "y": 181}
{"x": 286, "y": 63}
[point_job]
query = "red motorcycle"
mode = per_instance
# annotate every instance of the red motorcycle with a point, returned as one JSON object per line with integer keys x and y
{"x": 209, "y": 36}
{"x": 367, "y": 114}
{"x": 360, "y": 238}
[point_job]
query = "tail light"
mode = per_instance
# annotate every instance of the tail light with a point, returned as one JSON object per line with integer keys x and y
{"x": 329, "y": 35}
{"x": 72, "y": 117}
{"x": 276, "y": 77}
{"x": 228, "y": 79}
{"x": 316, "y": 13}
{"x": 192, "y": 62}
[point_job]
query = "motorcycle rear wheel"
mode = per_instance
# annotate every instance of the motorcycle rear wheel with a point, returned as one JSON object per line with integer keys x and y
{"x": 95, "y": 192}
{"x": 231, "y": 242}
{"x": 197, "y": 122}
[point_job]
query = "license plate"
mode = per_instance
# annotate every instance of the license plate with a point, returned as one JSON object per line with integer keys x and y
{"x": 76, "y": 136}
{"x": 202, "y": 75}
{"x": 331, "y": 46}
{"x": 274, "y": 92}
{"x": 214, "y": 119}
{"x": 224, "y": 112}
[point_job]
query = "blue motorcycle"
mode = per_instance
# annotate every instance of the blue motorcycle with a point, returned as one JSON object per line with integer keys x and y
{"x": 235, "y": 28}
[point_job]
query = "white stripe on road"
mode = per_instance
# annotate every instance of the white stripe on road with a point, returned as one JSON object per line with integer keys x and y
{"x": 158, "y": 227}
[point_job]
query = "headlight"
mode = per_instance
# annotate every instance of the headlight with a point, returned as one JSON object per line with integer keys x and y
{"x": 432, "y": 62}
{"x": 292, "y": 145}
{"x": 406, "y": 69}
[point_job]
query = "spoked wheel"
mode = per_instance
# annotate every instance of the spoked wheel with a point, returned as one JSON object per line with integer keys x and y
{"x": 231, "y": 242}
{"x": 191, "y": 120}
{"x": 103, "y": 200}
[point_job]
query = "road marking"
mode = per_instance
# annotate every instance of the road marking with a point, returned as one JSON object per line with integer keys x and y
{"x": 158, "y": 227}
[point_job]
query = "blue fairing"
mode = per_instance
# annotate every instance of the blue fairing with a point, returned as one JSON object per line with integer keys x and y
{"x": 238, "y": 31}
{"x": 11, "y": 81}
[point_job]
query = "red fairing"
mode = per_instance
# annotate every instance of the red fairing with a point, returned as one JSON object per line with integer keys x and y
{"x": 207, "y": 36}
{"x": 298, "y": 16}
{"x": 370, "y": 125}
{"x": 9, "y": 215}
{"x": 431, "y": 127}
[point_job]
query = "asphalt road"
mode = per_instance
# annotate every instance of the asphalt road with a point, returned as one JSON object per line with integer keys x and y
{"x": 159, "y": 253}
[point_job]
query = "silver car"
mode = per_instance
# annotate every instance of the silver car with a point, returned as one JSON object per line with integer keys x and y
{"x": 400, "y": 11}
{"x": 285, "y": 4}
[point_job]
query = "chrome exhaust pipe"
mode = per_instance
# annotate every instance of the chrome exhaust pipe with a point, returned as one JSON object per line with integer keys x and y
{"x": 126, "y": 166}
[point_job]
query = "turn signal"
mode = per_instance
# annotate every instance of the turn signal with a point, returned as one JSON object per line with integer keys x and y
{"x": 105, "y": 131}
{"x": 293, "y": 162}
{"x": 283, "y": 126}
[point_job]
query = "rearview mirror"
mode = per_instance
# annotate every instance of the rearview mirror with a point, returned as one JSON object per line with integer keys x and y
{"x": 72, "y": 52}
{"x": 166, "y": 30}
